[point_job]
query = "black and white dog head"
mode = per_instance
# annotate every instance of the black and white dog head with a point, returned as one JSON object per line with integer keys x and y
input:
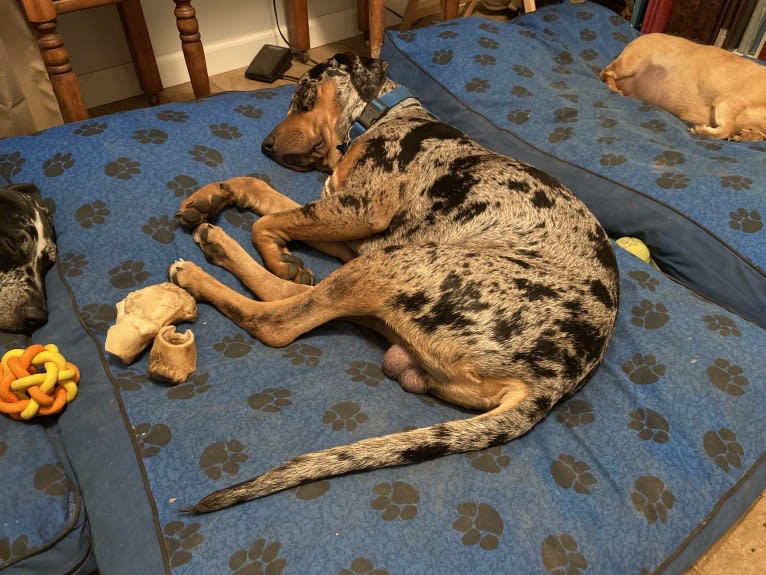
{"x": 27, "y": 252}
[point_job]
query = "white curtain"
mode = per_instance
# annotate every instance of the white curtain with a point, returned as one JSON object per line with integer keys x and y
{"x": 27, "y": 102}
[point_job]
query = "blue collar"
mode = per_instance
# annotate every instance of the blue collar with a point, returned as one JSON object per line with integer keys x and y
{"x": 375, "y": 110}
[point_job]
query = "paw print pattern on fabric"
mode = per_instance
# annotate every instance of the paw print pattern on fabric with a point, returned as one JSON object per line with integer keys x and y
{"x": 570, "y": 473}
{"x": 656, "y": 126}
{"x": 669, "y": 158}
{"x": 560, "y": 555}
{"x": 362, "y": 566}
{"x": 51, "y": 480}
{"x": 745, "y": 221}
{"x": 365, "y": 372}
{"x": 161, "y": 229}
{"x": 519, "y": 116}
{"x": 122, "y": 168}
{"x": 524, "y": 72}
{"x": 652, "y": 499}
{"x": 407, "y": 36}
{"x": 490, "y": 460}
{"x": 10, "y": 165}
{"x": 128, "y": 274}
{"x": 249, "y": 111}
{"x": 645, "y": 280}
{"x": 219, "y": 458}
{"x": 521, "y": 92}
{"x": 484, "y": 59}
{"x": 171, "y": 116}
{"x": 19, "y": 547}
{"x": 241, "y": 220}
{"x": 225, "y": 131}
{"x": 344, "y": 415}
{"x": 723, "y": 448}
{"x": 724, "y": 325}
{"x": 649, "y": 425}
{"x": 736, "y": 183}
{"x": 92, "y": 214}
{"x": 233, "y": 346}
{"x": 448, "y": 34}
{"x": 196, "y": 385}
{"x": 183, "y": 186}
{"x": 98, "y": 317}
{"x": 478, "y": 85}
{"x": 58, "y": 164}
{"x": 561, "y": 135}
{"x": 565, "y": 115}
{"x": 575, "y": 412}
{"x": 643, "y": 369}
{"x": 728, "y": 377}
{"x": 303, "y": 354}
{"x": 130, "y": 380}
{"x": 260, "y": 559}
{"x": 150, "y": 136}
{"x": 673, "y": 181}
{"x": 442, "y": 57}
{"x": 480, "y": 525}
{"x": 612, "y": 159}
{"x": 152, "y": 437}
{"x": 208, "y": 156}
{"x": 489, "y": 43}
{"x": 73, "y": 264}
{"x": 313, "y": 490}
{"x": 270, "y": 400}
{"x": 397, "y": 500}
{"x": 650, "y": 315}
{"x": 180, "y": 538}
{"x": 90, "y": 129}
{"x": 3, "y": 448}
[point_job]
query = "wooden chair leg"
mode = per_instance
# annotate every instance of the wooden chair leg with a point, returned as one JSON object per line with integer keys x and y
{"x": 188, "y": 28}
{"x": 132, "y": 17}
{"x": 298, "y": 24}
{"x": 63, "y": 79}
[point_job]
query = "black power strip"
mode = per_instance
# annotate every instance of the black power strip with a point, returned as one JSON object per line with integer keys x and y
{"x": 269, "y": 63}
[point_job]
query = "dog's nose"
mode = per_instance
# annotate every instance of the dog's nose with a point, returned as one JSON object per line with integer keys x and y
{"x": 34, "y": 320}
{"x": 267, "y": 146}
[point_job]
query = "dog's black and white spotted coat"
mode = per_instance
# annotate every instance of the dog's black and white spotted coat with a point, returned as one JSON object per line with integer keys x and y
{"x": 495, "y": 285}
{"x": 27, "y": 252}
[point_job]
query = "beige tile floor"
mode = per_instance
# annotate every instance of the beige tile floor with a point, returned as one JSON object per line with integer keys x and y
{"x": 742, "y": 551}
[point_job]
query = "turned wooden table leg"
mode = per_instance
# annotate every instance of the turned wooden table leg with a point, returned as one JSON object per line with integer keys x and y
{"x": 64, "y": 81}
{"x": 298, "y": 24}
{"x": 377, "y": 17}
{"x": 188, "y": 28}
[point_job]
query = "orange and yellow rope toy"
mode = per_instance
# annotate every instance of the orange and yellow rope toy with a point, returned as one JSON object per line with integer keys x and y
{"x": 36, "y": 381}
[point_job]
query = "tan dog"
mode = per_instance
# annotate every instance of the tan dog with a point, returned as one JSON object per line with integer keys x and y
{"x": 721, "y": 94}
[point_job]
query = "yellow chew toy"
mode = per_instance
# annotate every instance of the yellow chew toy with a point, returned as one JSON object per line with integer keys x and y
{"x": 635, "y": 247}
{"x": 36, "y": 381}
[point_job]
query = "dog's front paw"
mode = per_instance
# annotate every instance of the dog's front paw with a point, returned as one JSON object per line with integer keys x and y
{"x": 184, "y": 274}
{"x": 204, "y": 204}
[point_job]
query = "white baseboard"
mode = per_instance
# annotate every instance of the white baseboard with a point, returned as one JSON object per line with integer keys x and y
{"x": 120, "y": 82}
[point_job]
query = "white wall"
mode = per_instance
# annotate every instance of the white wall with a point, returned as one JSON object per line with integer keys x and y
{"x": 232, "y": 33}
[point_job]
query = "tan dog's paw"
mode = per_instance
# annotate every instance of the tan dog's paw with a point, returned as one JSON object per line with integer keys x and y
{"x": 185, "y": 275}
{"x": 204, "y": 204}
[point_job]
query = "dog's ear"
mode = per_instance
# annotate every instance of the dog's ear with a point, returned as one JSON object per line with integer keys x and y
{"x": 367, "y": 74}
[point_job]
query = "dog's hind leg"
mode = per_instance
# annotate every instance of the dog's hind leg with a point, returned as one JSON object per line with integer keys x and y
{"x": 722, "y": 121}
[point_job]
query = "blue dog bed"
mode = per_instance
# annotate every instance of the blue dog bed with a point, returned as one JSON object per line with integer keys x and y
{"x": 641, "y": 471}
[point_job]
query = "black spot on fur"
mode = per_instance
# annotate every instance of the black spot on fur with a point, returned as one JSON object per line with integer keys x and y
{"x": 541, "y": 200}
{"x": 534, "y": 291}
{"x": 601, "y": 292}
{"x": 469, "y": 212}
{"x": 375, "y": 154}
{"x": 425, "y": 452}
{"x": 507, "y": 327}
{"x": 412, "y": 142}
{"x": 412, "y": 303}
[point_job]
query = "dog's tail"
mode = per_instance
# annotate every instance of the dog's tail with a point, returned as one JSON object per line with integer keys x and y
{"x": 423, "y": 444}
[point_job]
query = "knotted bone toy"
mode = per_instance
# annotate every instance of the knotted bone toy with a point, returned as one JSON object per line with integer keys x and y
{"x": 37, "y": 380}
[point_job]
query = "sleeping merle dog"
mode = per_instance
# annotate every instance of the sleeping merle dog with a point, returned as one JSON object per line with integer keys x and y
{"x": 27, "y": 252}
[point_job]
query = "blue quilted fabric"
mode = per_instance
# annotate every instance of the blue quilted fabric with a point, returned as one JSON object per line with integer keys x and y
{"x": 665, "y": 446}
{"x": 530, "y": 87}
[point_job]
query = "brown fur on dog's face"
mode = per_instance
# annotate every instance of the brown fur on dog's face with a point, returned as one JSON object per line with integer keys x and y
{"x": 314, "y": 128}
{"x": 721, "y": 94}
